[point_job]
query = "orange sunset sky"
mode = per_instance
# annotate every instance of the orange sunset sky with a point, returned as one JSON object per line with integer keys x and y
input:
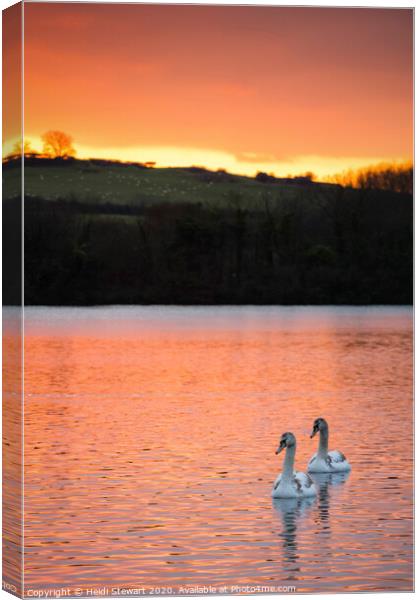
{"x": 282, "y": 90}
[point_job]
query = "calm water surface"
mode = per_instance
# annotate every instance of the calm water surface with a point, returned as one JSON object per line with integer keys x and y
{"x": 150, "y": 440}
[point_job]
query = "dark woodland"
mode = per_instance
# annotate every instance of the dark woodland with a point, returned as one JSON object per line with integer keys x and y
{"x": 323, "y": 245}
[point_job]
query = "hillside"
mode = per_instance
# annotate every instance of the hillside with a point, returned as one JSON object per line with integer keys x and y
{"x": 98, "y": 232}
{"x": 101, "y": 182}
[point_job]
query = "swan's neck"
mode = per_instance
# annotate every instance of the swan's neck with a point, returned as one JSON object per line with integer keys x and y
{"x": 289, "y": 461}
{"x": 323, "y": 443}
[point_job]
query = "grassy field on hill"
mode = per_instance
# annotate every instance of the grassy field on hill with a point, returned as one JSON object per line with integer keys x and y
{"x": 105, "y": 233}
{"x": 133, "y": 185}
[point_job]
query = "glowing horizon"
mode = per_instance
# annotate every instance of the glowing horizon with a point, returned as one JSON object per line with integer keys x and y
{"x": 321, "y": 166}
{"x": 242, "y": 88}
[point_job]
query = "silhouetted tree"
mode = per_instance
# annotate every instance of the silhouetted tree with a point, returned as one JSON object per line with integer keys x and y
{"x": 388, "y": 177}
{"x": 27, "y": 149}
{"x": 18, "y": 150}
{"x": 58, "y": 144}
{"x": 264, "y": 177}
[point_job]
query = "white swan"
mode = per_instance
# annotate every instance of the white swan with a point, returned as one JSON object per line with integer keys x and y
{"x": 323, "y": 461}
{"x": 290, "y": 484}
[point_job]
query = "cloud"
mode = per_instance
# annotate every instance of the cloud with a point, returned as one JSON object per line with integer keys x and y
{"x": 259, "y": 157}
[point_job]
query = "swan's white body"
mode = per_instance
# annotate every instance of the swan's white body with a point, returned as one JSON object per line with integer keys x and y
{"x": 333, "y": 462}
{"x": 299, "y": 486}
{"x": 290, "y": 484}
{"x": 325, "y": 461}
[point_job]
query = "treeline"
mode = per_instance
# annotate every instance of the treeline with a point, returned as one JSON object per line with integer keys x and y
{"x": 384, "y": 176}
{"x": 344, "y": 247}
{"x": 32, "y": 159}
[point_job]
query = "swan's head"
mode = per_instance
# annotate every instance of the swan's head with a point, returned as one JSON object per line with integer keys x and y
{"x": 319, "y": 425}
{"x": 286, "y": 441}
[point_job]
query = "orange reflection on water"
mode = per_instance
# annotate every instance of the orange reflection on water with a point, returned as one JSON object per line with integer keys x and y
{"x": 12, "y": 411}
{"x": 150, "y": 438}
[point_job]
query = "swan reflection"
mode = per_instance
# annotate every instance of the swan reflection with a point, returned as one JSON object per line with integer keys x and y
{"x": 323, "y": 482}
{"x": 290, "y": 510}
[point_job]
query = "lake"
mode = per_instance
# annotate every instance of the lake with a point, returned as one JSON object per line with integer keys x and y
{"x": 150, "y": 438}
